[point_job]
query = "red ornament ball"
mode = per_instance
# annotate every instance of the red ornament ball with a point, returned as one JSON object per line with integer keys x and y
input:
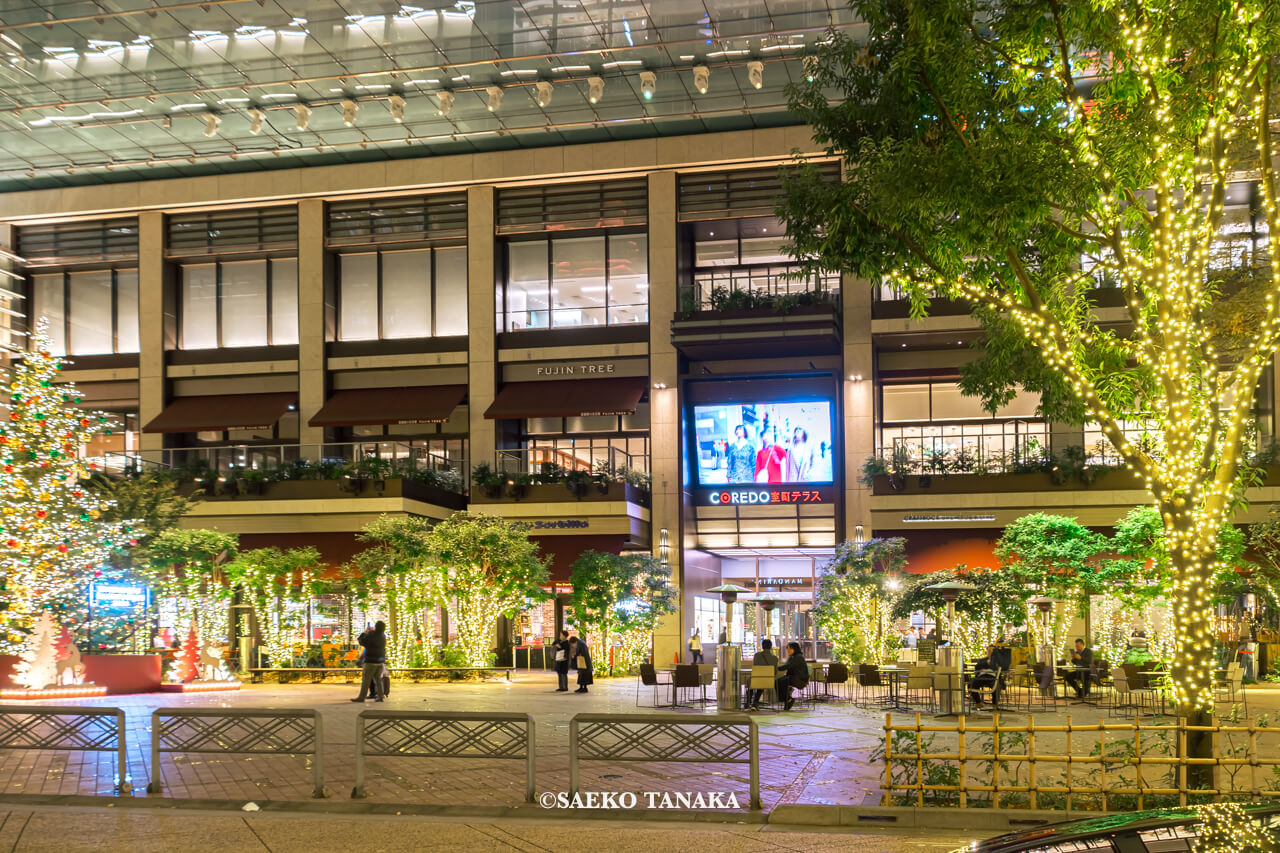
{"x": 40, "y": 513}
{"x": 62, "y": 549}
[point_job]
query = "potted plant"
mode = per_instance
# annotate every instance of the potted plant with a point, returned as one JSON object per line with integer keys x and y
{"x": 518, "y": 485}
{"x": 251, "y": 481}
{"x": 899, "y": 467}
{"x": 576, "y": 482}
{"x": 489, "y": 480}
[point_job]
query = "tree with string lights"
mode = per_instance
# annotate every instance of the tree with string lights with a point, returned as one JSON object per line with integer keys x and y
{"x": 1035, "y": 160}
{"x": 53, "y": 538}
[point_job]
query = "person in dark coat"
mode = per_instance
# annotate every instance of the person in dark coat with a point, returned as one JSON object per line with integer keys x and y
{"x": 580, "y": 659}
{"x": 374, "y": 641}
{"x": 560, "y": 649}
{"x": 795, "y": 674}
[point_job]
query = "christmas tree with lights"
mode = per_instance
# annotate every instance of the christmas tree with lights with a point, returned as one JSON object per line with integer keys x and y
{"x": 52, "y": 543}
{"x": 186, "y": 661}
{"x": 38, "y": 664}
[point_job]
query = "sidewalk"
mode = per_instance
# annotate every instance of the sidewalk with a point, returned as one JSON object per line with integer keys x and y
{"x": 94, "y": 830}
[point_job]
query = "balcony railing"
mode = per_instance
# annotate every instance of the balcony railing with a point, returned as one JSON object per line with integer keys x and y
{"x": 282, "y": 462}
{"x": 763, "y": 288}
{"x": 552, "y": 463}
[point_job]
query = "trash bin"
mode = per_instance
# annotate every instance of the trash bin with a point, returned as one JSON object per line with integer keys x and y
{"x": 728, "y": 665}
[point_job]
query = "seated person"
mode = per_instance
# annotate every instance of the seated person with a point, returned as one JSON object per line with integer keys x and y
{"x": 795, "y": 674}
{"x": 764, "y": 657}
{"x": 985, "y": 674}
{"x": 1079, "y": 679}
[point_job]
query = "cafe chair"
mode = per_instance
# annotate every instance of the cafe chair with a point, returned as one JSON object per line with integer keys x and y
{"x": 838, "y": 678}
{"x": 649, "y": 678}
{"x": 869, "y": 683}
{"x": 706, "y": 677}
{"x": 919, "y": 686}
{"x": 1231, "y": 688}
{"x": 818, "y": 677}
{"x": 764, "y": 677}
{"x": 686, "y": 677}
{"x": 990, "y": 693}
{"x": 1125, "y": 697}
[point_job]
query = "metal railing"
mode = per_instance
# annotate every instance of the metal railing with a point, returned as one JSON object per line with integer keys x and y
{"x": 593, "y": 459}
{"x": 756, "y": 287}
{"x": 289, "y": 461}
{"x": 246, "y": 731}
{"x": 722, "y": 739}
{"x": 1101, "y": 766}
{"x": 440, "y": 734}
{"x": 67, "y": 728}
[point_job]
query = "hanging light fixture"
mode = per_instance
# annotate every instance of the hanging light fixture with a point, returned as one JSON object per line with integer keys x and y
{"x": 495, "y": 98}
{"x": 648, "y": 84}
{"x": 701, "y": 79}
{"x": 255, "y": 120}
{"x": 349, "y": 109}
{"x": 211, "y": 123}
{"x": 543, "y": 97}
{"x": 595, "y": 89}
{"x": 446, "y": 102}
{"x": 303, "y": 114}
{"x": 395, "y": 105}
{"x": 755, "y": 73}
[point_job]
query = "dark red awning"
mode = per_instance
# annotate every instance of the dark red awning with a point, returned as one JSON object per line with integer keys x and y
{"x": 568, "y": 398}
{"x": 222, "y": 411}
{"x": 367, "y": 406}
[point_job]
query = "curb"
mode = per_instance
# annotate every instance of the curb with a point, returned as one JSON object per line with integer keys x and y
{"x": 911, "y": 817}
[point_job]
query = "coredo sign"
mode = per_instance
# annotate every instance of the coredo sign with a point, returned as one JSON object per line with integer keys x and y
{"x": 752, "y": 496}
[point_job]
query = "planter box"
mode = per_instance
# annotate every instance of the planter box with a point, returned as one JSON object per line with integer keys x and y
{"x": 558, "y": 493}
{"x": 958, "y": 484}
{"x": 392, "y": 487}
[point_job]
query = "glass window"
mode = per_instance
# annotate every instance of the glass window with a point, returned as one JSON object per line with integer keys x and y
{"x": 406, "y": 294}
{"x": 527, "y": 286}
{"x": 284, "y": 301}
{"x": 451, "y": 292}
{"x": 949, "y": 404}
{"x": 578, "y": 284}
{"x": 628, "y": 279}
{"x": 905, "y": 403}
{"x": 47, "y": 302}
{"x": 127, "y": 311}
{"x": 199, "y": 306}
{"x": 91, "y": 312}
{"x": 358, "y": 320}
{"x": 765, "y": 250}
{"x": 244, "y": 304}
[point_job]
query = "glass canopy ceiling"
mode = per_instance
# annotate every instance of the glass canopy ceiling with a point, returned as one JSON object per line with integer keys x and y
{"x": 118, "y": 90}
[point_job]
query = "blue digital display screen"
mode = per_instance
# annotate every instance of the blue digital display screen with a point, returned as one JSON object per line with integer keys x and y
{"x": 740, "y": 444}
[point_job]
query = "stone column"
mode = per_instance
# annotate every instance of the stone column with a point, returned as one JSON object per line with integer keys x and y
{"x": 664, "y": 401}
{"x": 155, "y": 314}
{"x": 859, "y": 401}
{"x": 314, "y": 272}
{"x": 482, "y": 371}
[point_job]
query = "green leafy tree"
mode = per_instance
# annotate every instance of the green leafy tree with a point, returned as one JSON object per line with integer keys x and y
{"x": 187, "y": 569}
{"x": 396, "y": 566}
{"x": 618, "y": 600}
{"x": 276, "y": 583}
{"x": 990, "y": 148}
{"x": 483, "y": 567}
{"x": 982, "y": 614}
{"x": 855, "y": 598}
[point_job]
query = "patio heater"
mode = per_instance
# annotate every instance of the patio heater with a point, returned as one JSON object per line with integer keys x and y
{"x": 728, "y": 656}
{"x": 767, "y": 605}
{"x": 1044, "y": 648}
{"x": 948, "y": 658}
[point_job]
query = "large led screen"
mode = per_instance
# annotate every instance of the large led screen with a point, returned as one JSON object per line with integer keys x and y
{"x": 739, "y": 444}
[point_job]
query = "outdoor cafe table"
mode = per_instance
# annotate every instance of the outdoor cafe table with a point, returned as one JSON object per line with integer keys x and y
{"x": 895, "y": 675}
{"x": 1063, "y": 671}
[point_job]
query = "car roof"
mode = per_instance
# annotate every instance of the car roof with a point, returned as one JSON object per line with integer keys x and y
{"x": 1099, "y": 825}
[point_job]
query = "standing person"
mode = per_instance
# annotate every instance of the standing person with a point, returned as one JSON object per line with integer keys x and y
{"x": 374, "y": 642}
{"x": 741, "y": 457}
{"x": 771, "y": 460}
{"x": 1078, "y": 678}
{"x": 764, "y": 657}
{"x": 695, "y": 646}
{"x": 800, "y": 457}
{"x": 580, "y": 659}
{"x": 1245, "y": 653}
{"x": 913, "y": 637}
{"x": 561, "y": 653}
{"x": 795, "y": 674}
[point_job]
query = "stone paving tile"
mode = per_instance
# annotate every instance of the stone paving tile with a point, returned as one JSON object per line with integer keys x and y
{"x": 815, "y": 756}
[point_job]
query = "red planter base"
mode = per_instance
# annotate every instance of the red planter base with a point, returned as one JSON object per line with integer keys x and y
{"x": 71, "y": 691}
{"x": 200, "y": 687}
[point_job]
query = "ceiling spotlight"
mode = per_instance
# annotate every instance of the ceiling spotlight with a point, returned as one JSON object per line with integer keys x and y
{"x": 701, "y": 78}
{"x": 495, "y": 98}
{"x": 544, "y": 88}
{"x": 755, "y": 73}
{"x": 211, "y": 122}
{"x": 595, "y": 89}
{"x": 395, "y": 104}
{"x": 303, "y": 114}
{"x": 349, "y": 108}
{"x": 648, "y": 83}
{"x": 255, "y": 120}
{"x": 446, "y": 102}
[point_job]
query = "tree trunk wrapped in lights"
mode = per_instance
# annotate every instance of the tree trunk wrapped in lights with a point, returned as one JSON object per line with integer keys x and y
{"x": 186, "y": 569}
{"x": 617, "y": 601}
{"x": 856, "y": 591}
{"x": 396, "y": 566}
{"x": 276, "y": 584}
{"x": 1018, "y": 157}
{"x": 53, "y": 541}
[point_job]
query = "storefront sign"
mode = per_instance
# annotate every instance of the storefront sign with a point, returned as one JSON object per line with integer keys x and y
{"x": 752, "y": 583}
{"x": 560, "y": 524}
{"x": 734, "y": 496}
{"x": 593, "y": 369}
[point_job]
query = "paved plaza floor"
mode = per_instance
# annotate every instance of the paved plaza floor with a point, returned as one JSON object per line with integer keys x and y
{"x": 816, "y": 756}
